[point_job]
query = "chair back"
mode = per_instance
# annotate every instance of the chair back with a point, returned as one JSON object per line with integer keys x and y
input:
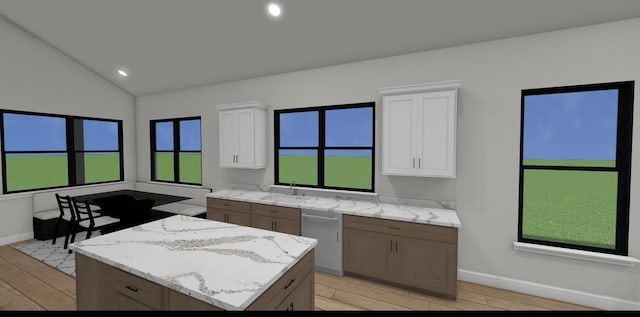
{"x": 82, "y": 210}
{"x": 64, "y": 204}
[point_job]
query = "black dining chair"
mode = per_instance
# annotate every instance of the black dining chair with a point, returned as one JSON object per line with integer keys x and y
{"x": 66, "y": 214}
{"x": 85, "y": 219}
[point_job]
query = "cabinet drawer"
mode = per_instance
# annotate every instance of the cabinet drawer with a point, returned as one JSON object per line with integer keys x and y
{"x": 234, "y": 217}
{"x": 276, "y": 211}
{"x": 414, "y": 230}
{"x": 228, "y": 204}
{"x": 138, "y": 289}
{"x": 302, "y": 298}
{"x": 283, "y": 287}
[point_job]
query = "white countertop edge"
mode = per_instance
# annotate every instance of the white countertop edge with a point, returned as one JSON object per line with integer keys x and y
{"x": 576, "y": 254}
{"x": 328, "y": 191}
{"x": 418, "y": 221}
{"x": 183, "y": 290}
{"x": 354, "y": 213}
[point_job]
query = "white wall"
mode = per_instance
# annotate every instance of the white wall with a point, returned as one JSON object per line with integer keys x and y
{"x": 486, "y": 189}
{"x": 36, "y": 77}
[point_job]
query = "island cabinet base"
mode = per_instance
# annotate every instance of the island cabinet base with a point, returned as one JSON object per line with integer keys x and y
{"x": 418, "y": 256}
{"x": 100, "y": 286}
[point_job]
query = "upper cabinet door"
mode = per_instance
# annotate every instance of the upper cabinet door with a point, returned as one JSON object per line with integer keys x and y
{"x": 243, "y": 135}
{"x": 246, "y": 128}
{"x": 436, "y": 134}
{"x": 228, "y": 138}
{"x": 398, "y": 137}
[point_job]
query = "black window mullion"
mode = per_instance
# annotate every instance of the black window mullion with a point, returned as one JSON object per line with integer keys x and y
{"x": 623, "y": 162}
{"x": 571, "y": 168}
{"x": 321, "y": 145}
{"x": 176, "y": 151}
{"x": 4, "y": 154}
{"x": 121, "y": 149}
{"x": 152, "y": 142}
{"x": 71, "y": 157}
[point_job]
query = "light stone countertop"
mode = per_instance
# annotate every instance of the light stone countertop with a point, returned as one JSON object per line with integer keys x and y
{"x": 226, "y": 265}
{"x": 392, "y": 209}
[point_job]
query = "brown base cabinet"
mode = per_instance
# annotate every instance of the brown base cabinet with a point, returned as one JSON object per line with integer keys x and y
{"x": 100, "y": 286}
{"x": 235, "y": 212}
{"x": 420, "y": 256}
{"x": 268, "y": 217}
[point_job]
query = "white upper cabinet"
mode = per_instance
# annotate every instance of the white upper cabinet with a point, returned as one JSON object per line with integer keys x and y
{"x": 243, "y": 135}
{"x": 419, "y": 130}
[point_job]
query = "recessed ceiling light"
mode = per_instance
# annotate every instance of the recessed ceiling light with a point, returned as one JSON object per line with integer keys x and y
{"x": 122, "y": 72}
{"x": 274, "y": 10}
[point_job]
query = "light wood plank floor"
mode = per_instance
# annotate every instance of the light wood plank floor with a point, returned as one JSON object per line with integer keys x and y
{"x": 28, "y": 284}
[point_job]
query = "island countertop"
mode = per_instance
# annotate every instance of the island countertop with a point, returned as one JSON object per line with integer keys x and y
{"x": 225, "y": 265}
{"x": 371, "y": 207}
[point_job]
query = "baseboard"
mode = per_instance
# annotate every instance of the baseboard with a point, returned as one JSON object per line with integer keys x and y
{"x": 557, "y": 293}
{"x": 16, "y": 238}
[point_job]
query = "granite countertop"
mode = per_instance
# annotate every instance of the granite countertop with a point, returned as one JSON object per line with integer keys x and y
{"x": 392, "y": 209}
{"x": 223, "y": 264}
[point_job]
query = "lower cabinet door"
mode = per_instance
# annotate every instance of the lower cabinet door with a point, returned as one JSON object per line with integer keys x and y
{"x": 366, "y": 253}
{"x": 302, "y": 298}
{"x": 263, "y": 222}
{"x": 216, "y": 215}
{"x": 425, "y": 264}
{"x": 287, "y": 226}
{"x": 125, "y": 303}
{"x": 239, "y": 218}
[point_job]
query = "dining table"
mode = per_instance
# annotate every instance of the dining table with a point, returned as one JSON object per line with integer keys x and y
{"x": 131, "y": 207}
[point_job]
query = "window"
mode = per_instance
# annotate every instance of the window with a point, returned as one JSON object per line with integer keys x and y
{"x": 176, "y": 153}
{"x": 42, "y": 151}
{"x": 575, "y": 167}
{"x": 325, "y": 147}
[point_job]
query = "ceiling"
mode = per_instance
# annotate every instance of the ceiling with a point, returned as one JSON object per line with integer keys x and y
{"x": 171, "y": 44}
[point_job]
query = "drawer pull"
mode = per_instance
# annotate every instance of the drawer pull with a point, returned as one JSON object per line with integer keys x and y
{"x": 287, "y": 286}
{"x": 394, "y": 228}
{"x": 132, "y": 288}
{"x": 226, "y": 205}
{"x": 274, "y": 211}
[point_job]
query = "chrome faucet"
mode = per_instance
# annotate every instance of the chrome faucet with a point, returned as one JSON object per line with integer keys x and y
{"x": 293, "y": 188}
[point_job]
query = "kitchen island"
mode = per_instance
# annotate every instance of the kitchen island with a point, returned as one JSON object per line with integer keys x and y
{"x": 181, "y": 263}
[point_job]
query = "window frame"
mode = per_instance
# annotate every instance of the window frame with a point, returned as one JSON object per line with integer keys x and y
{"x": 321, "y": 148}
{"x": 70, "y": 150}
{"x": 176, "y": 149}
{"x": 624, "y": 134}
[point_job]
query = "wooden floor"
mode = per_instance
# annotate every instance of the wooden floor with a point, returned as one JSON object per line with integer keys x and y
{"x": 28, "y": 284}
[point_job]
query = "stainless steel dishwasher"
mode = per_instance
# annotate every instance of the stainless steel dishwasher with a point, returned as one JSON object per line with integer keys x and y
{"x": 326, "y": 227}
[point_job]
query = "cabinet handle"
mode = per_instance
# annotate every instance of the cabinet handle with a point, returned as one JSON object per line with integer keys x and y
{"x": 290, "y": 306}
{"x": 419, "y": 163}
{"x": 394, "y": 228}
{"x": 132, "y": 288}
{"x": 390, "y": 245}
{"x": 414, "y": 163}
{"x": 276, "y": 225}
{"x": 396, "y": 246}
{"x": 290, "y": 282}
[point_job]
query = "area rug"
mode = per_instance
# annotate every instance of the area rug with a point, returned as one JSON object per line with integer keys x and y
{"x": 54, "y": 255}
